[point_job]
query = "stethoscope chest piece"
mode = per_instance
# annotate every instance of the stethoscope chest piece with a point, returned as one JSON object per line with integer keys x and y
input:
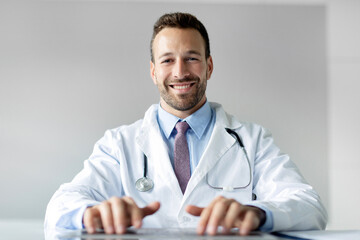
{"x": 144, "y": 184}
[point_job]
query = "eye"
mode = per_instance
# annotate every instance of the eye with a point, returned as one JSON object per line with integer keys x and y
{"x": 192, "y": 59}
{"x": 166, "y": 61}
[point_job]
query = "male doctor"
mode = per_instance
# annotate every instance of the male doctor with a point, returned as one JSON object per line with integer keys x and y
{"x": 199, "y": 174}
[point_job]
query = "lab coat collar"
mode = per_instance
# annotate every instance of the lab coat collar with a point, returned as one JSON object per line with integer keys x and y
{"x": 224, "y": 119}
{"x": 198, "y": 121}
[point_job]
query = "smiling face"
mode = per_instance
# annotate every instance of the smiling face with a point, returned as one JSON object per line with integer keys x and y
{"x": 180, "y": 70}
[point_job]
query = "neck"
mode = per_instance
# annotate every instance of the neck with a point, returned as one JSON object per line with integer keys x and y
{"x": 179, "y": 113}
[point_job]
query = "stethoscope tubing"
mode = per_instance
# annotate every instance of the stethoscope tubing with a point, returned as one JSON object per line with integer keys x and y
{"x": 238, "y": 139}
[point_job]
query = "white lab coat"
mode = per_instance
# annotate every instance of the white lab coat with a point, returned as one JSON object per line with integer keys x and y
{"x": 117, "y": 162}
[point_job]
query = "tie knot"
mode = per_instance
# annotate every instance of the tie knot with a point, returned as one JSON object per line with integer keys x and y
{"x": 181, "y": 127}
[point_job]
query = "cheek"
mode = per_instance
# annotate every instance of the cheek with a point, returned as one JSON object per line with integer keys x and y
{"x": 162, "y": 76}
{"x": 201, "y": 70}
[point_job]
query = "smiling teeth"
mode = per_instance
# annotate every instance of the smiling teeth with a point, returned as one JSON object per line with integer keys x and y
{"x": 181, "y": 87}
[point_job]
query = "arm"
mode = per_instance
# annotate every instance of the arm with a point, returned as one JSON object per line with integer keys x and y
{"x": 281, "y": 189}
{"x": 98, "y": 181}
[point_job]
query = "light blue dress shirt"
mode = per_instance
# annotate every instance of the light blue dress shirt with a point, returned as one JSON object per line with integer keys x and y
{"x": 201, "y": 126}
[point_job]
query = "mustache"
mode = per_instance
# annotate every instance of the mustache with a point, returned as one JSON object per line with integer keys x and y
{"x": 184, "y": 80}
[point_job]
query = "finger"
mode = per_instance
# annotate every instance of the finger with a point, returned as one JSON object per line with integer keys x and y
{"x": 106, "y": 217}
{"x": 150, "y": 209}
{"x": 205, "y": 215}
{"x": 120, "y": 215}
{"x": 89, "y": 219}
{"x": 249, "y": 223}
{"x": 232, "y": 215}
{"x": 194, "y": 210}
{"x": 135, "y": 212}
{"x": 217, "y": 215}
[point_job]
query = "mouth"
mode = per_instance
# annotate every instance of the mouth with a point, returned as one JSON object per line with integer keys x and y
{"x": 182, "y": 86}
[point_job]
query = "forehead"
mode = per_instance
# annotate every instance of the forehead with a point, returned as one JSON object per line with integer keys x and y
{"x": 178, "y": 40}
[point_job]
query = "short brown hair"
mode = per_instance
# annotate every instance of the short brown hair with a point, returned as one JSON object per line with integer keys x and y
{"x": 180, "y": 20}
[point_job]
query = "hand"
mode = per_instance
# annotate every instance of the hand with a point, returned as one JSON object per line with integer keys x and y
{"x": 227, "y": 213}
{"x": 116, "y": 214}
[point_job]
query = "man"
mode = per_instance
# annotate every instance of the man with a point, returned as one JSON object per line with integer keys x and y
{"x": 191, "y": 149}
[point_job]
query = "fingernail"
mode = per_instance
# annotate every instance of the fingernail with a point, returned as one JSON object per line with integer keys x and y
{"x": 109, "y": 230}
{"x": 200, "y": 229}
{"x": 243, "y": 231}
{"x": 211, "y": 230}
{"x": 91, "y": 230}
{"x": 120, "y": 229}
{"x": 137, "y": 224}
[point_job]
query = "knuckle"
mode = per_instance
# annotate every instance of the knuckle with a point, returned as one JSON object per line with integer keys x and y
{"x": 127, "y": 198}
{"x": 235, "y": 204}
{"x": 114, "y": 199}
{"x": 219, "y": 197}
{"x": 222, "y": 204}
{"x": 90, "y": 212}
{"x": 104, "y": 206}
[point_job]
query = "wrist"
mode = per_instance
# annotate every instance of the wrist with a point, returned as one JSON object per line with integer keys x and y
{"x": 261, "y": 214}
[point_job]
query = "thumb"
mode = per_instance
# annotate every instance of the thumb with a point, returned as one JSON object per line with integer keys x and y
{"x": 151, "y": 208}
{"x": 194, "y": 210}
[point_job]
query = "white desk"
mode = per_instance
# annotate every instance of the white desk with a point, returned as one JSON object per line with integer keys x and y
{"x": 18, "y": 229}
{"x": 12, "y": 229}
{"x": 169, "y": 233}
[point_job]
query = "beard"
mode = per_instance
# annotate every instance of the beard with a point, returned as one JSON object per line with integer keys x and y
{"x": 183, "y": 102}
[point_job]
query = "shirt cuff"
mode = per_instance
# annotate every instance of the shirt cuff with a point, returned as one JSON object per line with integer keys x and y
{"x": 78, "y": 218}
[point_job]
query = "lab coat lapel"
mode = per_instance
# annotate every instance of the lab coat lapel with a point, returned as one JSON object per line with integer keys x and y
{"x": 220, "y": 142}
{"x": 153, "y": 146}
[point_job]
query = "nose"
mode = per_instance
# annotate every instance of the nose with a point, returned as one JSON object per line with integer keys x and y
{"x": 180, "y": 69}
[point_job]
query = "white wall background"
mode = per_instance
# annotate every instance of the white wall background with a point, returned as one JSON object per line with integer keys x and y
{"x": 344, "y": 112}
{"x": 69, "y": 70}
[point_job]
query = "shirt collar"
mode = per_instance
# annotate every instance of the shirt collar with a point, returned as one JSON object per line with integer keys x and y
{"x": 197, "y": 121}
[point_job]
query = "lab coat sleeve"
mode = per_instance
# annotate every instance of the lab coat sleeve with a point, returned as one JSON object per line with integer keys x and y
{"x": 281, "y": 189}
{"x": 98, "y": 181}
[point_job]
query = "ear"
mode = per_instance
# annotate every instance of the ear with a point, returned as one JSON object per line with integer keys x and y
{"x": 210, "y": 67}
{"x": 152, "y": 72}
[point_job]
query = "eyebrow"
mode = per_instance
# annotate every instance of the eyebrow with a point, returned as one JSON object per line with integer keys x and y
{"x": 194, "y": 52}
{"x": 188, "y": 52}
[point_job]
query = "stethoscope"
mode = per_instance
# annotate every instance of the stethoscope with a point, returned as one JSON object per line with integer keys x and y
{"x": 145, "y": 183}
{"x": 230, "y": 188}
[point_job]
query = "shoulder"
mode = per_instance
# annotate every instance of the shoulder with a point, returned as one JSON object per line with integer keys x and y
{"x": 230, "y": 121}
{"x": 129, "y": 131}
